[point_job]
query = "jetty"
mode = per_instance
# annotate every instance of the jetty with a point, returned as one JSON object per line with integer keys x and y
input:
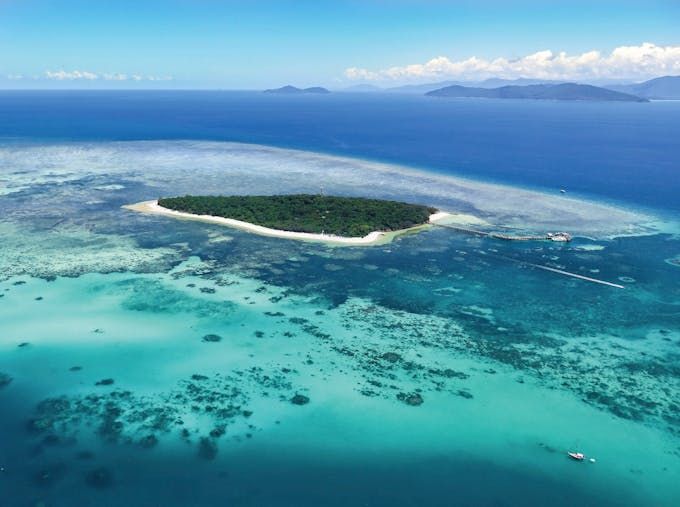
{"x": 557, "y": 236}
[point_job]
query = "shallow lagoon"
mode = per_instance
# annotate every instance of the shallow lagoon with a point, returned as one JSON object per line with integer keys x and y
{"x": 171, "y": 380}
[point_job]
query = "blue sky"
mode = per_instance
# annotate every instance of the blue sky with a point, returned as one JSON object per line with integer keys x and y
{"x": 264, "y": 43}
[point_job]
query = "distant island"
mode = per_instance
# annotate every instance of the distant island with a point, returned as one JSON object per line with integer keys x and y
{"x": 292, "y": 90}
{"x": 487, "y": 83}
{"x": 563, "y": 91}
{"x": 660, "y": 88}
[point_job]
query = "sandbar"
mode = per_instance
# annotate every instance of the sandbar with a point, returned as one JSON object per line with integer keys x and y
{"x": 372, "y": 238}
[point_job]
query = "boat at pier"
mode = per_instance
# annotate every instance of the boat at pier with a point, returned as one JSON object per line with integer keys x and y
{"x": 559, "y": 236}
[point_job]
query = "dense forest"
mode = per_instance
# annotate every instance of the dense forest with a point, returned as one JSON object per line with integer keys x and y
{"x": 341, "y": 216}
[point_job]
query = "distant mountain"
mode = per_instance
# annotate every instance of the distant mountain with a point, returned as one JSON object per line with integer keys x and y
{"x": 420, "y": 88}
{"x": 316, "y": 89}
{"x": 667, "y": 87}
{"x": 292, "y": 90}
{"x": 495, "y": 82}
{"x": 487, "y": 83}
{"x": 362, "y": 88}
{"x": 564, "y": 91}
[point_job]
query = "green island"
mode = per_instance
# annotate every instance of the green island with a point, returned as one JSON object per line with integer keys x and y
{"x": 339, "y": 216}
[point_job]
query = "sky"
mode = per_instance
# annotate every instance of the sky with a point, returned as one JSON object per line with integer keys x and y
{"x": 255, "y": 44}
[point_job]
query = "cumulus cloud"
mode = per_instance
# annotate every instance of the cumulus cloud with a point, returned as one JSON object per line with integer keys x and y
{"x": 625, "y": 62}
{"x": 116, "y": 76}
{"x": 77, "y": 75}
{"x": 62, "y": 75}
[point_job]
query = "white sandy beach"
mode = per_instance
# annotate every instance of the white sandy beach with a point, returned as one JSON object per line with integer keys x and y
{"x": 372, "y": 238}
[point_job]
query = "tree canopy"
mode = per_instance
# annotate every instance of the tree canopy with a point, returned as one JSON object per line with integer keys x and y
{"x": 341, "y": 216}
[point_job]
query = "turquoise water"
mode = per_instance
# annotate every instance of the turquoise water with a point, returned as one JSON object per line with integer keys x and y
{"x": 153, "y": 361}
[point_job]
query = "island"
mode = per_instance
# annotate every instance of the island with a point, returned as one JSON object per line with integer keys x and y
{"x": 562, "y": 91}
{"x": 331, "y": 219}
{"x": 660, "y": 88}
{"x": 292, "y": 90}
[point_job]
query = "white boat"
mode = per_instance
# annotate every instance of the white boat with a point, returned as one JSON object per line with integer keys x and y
{"x": 578, "y": 456}
{"x": 559, "y": 236}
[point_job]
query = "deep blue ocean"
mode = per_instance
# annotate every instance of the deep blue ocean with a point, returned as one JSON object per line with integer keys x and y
{"x": 155, "y": 362}
{"x": 620, "y": 151}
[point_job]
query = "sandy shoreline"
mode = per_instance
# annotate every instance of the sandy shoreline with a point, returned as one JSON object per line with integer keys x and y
{"x": 372, "y": 238}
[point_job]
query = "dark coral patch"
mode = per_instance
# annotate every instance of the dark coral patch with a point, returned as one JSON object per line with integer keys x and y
{"x": 413, "y": 399}
{"x": 5, "y": 380}
{"x": 148, "y": 442}
{"x": 207, "y": 449}
{"x": 299, "y": 399}
{"x": 391, "y": 357}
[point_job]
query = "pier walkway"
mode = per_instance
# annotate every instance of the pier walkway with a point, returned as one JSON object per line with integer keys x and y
{"x": 558, "y": 236}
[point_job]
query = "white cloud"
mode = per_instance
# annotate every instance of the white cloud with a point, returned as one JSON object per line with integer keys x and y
{"x": 625, "y": 62}
{"x": 62, "y": 75}
{"x": 116, "y": 76}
